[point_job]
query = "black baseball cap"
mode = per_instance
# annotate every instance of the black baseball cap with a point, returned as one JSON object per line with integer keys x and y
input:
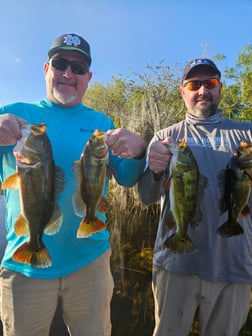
{"x": 200, "y": 62}
{"x": 71, "y": 42}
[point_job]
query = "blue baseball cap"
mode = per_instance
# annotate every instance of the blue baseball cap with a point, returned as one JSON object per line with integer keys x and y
{"x": 200, "y": 62}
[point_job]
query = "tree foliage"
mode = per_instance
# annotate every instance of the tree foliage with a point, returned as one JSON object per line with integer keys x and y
{"x": 237, "y": 93}
{"x": 151, "y": 100}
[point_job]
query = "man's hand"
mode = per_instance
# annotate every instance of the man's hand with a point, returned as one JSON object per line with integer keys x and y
{"x": 10, "y": 129}
{"x": 125, "y": 144}
{"x": 159, "y": 156}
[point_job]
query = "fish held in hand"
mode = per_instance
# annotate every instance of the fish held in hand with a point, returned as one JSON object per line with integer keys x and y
{"x": 90, "y": 173}
{"x": 235, "y": 184}
{"x": 39, "y": 182}
{"x": 186, "y": 186}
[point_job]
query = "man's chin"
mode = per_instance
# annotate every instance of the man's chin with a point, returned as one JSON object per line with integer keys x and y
{"x": 64, "y": 99}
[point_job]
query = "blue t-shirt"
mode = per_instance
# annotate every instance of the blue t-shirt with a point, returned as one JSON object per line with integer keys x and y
{"x": 68, "y": 130}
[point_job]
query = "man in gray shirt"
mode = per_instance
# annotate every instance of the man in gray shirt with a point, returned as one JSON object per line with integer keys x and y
{"x": 213, "y": 272}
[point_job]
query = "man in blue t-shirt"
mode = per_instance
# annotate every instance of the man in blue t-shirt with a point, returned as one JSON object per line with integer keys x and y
{"x": 80, "y": 271}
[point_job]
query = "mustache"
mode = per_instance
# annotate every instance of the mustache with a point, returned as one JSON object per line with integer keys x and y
{"x": 66, "y": 82}
{"x": 205, "y": 97}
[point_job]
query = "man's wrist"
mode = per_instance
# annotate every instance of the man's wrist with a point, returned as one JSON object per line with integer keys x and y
{"x": 141, "y": 155}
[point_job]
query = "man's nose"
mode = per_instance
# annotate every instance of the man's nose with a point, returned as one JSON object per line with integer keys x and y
{"x": 68, "y": 72}
{"x": 202, "y": 89}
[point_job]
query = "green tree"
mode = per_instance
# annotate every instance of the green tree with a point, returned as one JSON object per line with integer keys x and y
{"x": 237, "y": 91}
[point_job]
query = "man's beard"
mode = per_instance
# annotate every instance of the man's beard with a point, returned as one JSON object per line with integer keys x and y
{"x": 205, "y": 112}
{"x": 64, "y": 99}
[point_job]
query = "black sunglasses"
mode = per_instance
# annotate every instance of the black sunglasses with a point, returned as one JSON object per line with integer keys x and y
{"x": 209, "y": 84}
{"x": 61, "y": 64}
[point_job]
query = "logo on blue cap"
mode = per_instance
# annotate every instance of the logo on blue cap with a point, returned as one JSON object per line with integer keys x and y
{"x": 202, "y": 61}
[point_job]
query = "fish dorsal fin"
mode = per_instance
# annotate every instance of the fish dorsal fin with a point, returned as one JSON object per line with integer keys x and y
{"x": 59, "y": 181}
{"x": 98, "y": 134}
{"x": 76, "y": 168}
{"x": 38, "y": 129}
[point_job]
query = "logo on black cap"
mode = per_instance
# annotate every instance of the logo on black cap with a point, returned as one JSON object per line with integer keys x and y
{"x": 72, "y": 40}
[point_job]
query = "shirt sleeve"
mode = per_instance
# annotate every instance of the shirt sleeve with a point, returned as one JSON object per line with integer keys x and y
{"x": 126, "y": 171}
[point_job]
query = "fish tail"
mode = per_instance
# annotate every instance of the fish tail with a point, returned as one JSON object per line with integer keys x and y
{"x": 87, "y": 228}
{"x": 180, "y": 245}
{"x": 38, "y": 258}
{"x": 229, "y": 229}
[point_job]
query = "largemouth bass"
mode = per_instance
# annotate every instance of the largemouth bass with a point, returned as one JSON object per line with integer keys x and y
{"x": 186, "y": 186}
{"x": 90, "y": 173}
{"x": 237, "y": 180}
{"x": 39, "y": 182}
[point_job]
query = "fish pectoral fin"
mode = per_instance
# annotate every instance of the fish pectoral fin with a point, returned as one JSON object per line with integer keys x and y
{"x": 103, "y": 205}
{"x": 202, "y": 184}
{"x": 38, "y": 257}
{"x": 78, "y": 205}
{"x": 245, "y": 211}
{"x": 76, "y": 169}
{"x": 21, "y": 226}
{"x": 170, "y": 220}
{"x": 12, "y": 182}
{"x": 87, "y": 228}
{"x": 55, "y": 222}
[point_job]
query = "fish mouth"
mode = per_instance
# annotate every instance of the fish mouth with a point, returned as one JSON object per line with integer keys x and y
{"x": 19, "y": 156}
{"x": 25, "y": 162}
{"x": 102, "y": 155}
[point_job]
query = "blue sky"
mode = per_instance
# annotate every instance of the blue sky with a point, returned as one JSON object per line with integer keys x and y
{"x": 124, "y": 35}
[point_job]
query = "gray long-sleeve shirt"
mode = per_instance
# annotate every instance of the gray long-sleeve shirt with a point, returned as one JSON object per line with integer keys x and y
{"x": 218, "y": 258}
